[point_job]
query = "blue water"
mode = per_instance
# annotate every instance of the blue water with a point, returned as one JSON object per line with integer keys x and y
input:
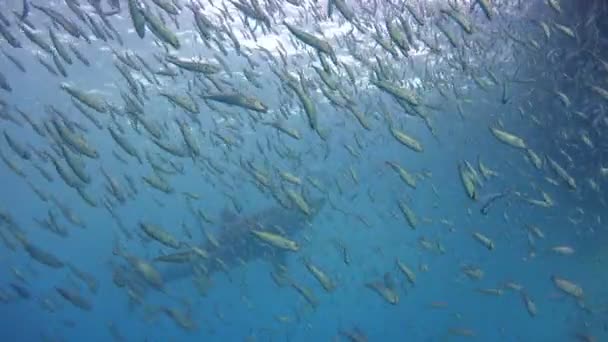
{"x": 245, "y": 304}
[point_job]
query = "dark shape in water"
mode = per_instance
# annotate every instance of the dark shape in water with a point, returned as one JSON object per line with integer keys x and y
{"x": 42, "y": 256}
{"x": 236, "y": 245}
{"x": 21, "y": 291}
{"x": 75, "y": 298}
{"x": 491, "y": 200}
{"x": 26, "y": 10}
{"x": 114, "y": 4}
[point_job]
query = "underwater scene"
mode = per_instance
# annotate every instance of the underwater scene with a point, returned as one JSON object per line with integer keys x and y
{"x": 303, "y": 170}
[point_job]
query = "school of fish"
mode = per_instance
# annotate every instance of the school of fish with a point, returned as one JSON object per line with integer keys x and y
{"x": 181, "y": 141}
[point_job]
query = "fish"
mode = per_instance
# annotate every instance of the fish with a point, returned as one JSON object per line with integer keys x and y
{"x": 18, "y": 64}
{"x": 486, "y": 7}
{"x": 406, "y": 140}
{"x": 306, "y": 293}
{"x": 568, "y": 287}
{"x": 137, "y": 17}
{"x": 562, "y": 173}
{"x": 238, "y": 103}
{"x": 158, "y": 28}
{"x": 405, "y": 176}
{"x": 313, "y": 41}
{"x": 408, "y": 214}
{"x": 88, "y": 99}
{"x": 562, "y": 250}
{"x": 40, "y": 255}
{"x": 459, "y": 18}
{"x": 237, "y": 243}
{"x": 239, "y": 100}
{"x": 160, "y": 234}
{"x": 58, "y": 18}
{"x": 398, "y": 92}
{"x": 36, "y": 38}
{"x": 384, "y": 291}
{"x": 193, "y": 65}
{"x": 59, "y": 47}
{"x": 467, "y": 180}
{"x": 491, "y": 199}
{"x": 17, "y": 146}
{"x": 326, "y": 282}
{"x": 74, "y": 298}
{"x": 409, "y": 274}
{"x": 484, "y": 240}
{"x": 182, "y": 320}
{"x": 9, "y": 37}
{"x": 508, "y": 138}
{"x": 276, "y": 240}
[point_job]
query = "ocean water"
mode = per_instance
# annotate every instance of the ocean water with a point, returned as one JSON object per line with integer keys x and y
{"x": 359, "y": 234}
